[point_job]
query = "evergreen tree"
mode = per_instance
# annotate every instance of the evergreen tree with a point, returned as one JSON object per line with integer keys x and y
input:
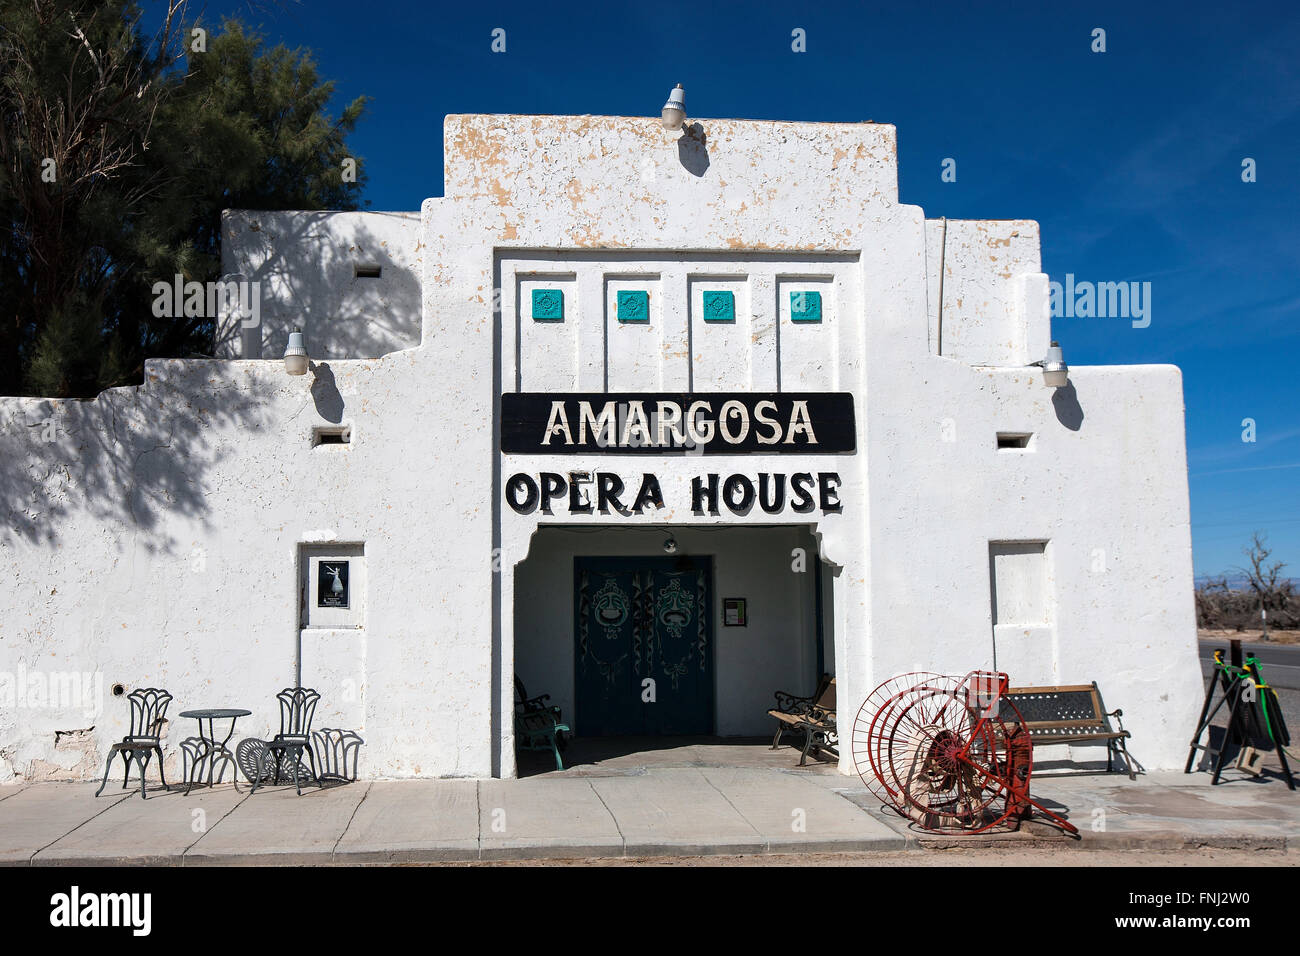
{"x": 119, "y": 147}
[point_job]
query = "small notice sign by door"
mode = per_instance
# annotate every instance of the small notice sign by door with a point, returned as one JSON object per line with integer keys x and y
{"x": 733, "y": 612}
{"x": 332, "y": 584}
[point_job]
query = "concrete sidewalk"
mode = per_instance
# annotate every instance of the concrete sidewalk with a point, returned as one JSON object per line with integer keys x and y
{"x": 631, "y": 809}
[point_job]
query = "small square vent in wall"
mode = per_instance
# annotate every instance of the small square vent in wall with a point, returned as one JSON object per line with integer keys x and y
{"x": 331, "y": 435}
{"x": 1014, "y": 441}
{"x": 367, "y": 271}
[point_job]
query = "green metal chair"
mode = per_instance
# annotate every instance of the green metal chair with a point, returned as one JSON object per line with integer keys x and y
{"x": 539, "y": 730}
{"x": 539, "y": 725}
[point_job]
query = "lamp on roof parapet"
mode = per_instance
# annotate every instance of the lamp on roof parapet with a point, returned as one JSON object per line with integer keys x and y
{"x": 1056, "y": 374}
{"x": 295, "y": 354}
{"x": 673, "y": 114}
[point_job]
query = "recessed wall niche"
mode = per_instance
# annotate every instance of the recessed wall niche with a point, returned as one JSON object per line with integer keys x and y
{"x": 687, "y": 320}
{"x": 805, "y": 300}
{"x": 1020, "y": 590}
{"x": 633, "y": 300}
{"x": 546, "y": 296}
{"x": 547, "y": 311}
{"x": 721, "y": 337}
{"x": 332, "y": 585}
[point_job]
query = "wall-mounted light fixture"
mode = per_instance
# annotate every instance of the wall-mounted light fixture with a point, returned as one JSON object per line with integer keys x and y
{"x": 673, "y": 114}
{"x": 295, "y": 354}
{"x": 1056, "y": 373}
{"x": 670, "y": 545}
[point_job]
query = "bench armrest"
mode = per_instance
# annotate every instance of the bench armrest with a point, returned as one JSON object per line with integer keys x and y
{"x": 791, "y": 703}
{"x": 1118, "y": 714}
{"x": 536, "y": 721}
{"x": 822, "y": 716}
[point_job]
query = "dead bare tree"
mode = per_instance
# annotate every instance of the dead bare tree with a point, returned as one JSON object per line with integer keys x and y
{"x": 1265, "y": 579}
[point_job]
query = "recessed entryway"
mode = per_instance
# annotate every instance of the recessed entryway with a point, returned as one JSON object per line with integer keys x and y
{"x": 671, "y": 630}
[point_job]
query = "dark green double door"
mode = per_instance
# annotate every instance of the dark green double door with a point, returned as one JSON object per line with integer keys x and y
{"x": 644, "y": 646}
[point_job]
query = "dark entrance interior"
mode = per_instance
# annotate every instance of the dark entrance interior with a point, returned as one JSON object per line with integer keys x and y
{"x": 653, "y": 598}
{"x": 643, "y": 643}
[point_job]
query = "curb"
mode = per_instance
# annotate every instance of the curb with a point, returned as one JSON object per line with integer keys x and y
{"x": 415, "y": 856}
{"x": 1156, "y": 840}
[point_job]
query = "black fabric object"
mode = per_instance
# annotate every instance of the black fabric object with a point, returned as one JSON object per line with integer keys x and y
{"x": 1281, "y": 736}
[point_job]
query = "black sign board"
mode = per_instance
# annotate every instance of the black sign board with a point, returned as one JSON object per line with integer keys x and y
{"x": 332, "y": 584}
{"x": 681, "y": 423}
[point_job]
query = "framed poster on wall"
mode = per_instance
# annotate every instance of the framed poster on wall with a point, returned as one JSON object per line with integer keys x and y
{"x": 332, "y": 586}
{"x": 733, "y": 612}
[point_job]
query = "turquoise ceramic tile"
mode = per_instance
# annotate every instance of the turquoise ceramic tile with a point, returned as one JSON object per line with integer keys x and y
{"x": 719, "y": 306}
{"x": 805, "y": 306}
{"x": 548, "y": 305}
{"x": 633, "y": 306}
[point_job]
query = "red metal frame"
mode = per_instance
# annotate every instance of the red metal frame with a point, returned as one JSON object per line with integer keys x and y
{"x": 943, "y": 750}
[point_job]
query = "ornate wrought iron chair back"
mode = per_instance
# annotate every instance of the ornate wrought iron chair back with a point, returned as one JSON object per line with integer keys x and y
{"x": 148, "y": 712}
{"x": 143, "y": 740}
{"x": 297, "y": 707}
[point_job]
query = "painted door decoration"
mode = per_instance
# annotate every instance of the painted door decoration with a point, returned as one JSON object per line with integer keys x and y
{"x": 639, "y": 618}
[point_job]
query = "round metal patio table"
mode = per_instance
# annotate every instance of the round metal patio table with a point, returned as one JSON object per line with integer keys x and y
{"x": 211, "y": 749}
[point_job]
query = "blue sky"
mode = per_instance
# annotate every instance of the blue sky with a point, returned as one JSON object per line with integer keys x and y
{"x": 1130, "y": 160}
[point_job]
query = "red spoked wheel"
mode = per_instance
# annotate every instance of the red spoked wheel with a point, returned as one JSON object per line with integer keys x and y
{"x": 870, "y": 745}
{"x": 942, "y": 757}
{"x": 947, "y": 753}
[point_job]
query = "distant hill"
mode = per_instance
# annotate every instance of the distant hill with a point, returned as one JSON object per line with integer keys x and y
{"x": 1236, "y": 581}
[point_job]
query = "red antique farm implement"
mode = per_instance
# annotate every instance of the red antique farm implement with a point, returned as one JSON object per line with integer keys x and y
{"x": 950, "y": 753}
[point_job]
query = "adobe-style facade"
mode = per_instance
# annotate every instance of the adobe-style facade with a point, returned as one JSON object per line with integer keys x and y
{"x": 710, "y": 410}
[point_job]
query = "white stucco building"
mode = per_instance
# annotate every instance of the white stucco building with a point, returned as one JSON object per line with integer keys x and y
{"x": 940, "y": 507}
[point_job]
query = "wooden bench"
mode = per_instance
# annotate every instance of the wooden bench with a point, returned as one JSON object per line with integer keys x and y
{"x": 1070, "y": 714}
{"x": 813, "y": 716}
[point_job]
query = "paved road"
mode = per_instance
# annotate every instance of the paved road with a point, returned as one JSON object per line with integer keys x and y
{"x": 1280, "y": 662}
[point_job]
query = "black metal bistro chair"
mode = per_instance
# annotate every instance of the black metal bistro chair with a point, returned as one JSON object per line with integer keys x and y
{"x": 297, "y": 705}
{"x": 148, "y": 712}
